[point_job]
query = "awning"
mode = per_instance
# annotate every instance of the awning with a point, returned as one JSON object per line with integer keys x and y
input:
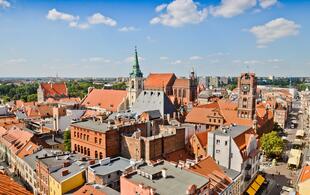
{"x": 294, "y": 157}
{"x": 254, "y": 187}
{"x": 300, "y": 133}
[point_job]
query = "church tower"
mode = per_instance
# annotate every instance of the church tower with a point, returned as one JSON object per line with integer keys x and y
{"x": 135, "y": 85}
{"x": 247, "y": 95}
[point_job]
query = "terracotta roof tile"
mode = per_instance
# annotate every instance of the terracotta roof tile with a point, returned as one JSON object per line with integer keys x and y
{"x": 158, "y": 80}
{"x": 105, "y": 98}
{"x": 52, "y": 89}
{"x": 203, "y": 138}
{"x": 10, "y": 187}
{"x": 181, "y": 83}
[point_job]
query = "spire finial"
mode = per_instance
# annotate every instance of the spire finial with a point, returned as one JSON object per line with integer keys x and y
{"x": 136, "y": 72}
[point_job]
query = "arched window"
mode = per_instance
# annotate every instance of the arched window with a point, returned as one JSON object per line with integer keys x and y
{"x": 78, "y": 148}
{"x": 88, "y": 152}
{"x": 99, "y": 140}
{"x": 85, "y": 150}
{"x": 132, "y": 84}
{"x": 75, "y": 147}
{"x": 87, "y": 137}
{"x": 96, "y": 154}
{"x": 100, "y": 156}
{"x": 84, "y": 136}
{"x": 82, "y": 149}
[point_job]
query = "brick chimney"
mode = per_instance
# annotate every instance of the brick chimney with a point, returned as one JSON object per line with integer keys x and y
{"x": 65, "y": 172}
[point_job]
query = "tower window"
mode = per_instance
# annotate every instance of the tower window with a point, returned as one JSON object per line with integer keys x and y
{"x": 132, "y": 84}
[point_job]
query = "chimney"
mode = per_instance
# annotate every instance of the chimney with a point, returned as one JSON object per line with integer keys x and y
{"x": 65, "y": 172}
{"x": 164, "y": 173}
{"x": 67, "y": 164}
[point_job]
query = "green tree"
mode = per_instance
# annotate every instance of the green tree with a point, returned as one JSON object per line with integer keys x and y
{"x": 119, "y": 86}
{"x": 5, "y": 99}
{"x": 32, "y": 98}
{"x": 67, "y": 140}
{"x": 272, "y": 144}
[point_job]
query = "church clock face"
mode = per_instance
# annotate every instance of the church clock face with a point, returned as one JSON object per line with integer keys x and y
{"x": 245, "y": 88}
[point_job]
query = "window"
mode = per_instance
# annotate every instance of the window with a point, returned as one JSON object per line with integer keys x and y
{"x": 87, "y": 138}
{"x": 84, "y": 136}
{"x": 95, "y": 139}
{"x": 184, "y": 93}
{"x": 218, "y": 151}
{"x": 109, "y": 176}
{"x": 218, "y": 141}
{"x": 77, "y": 134}
{"x": 96, "y": 154}
{"x": 74, "y": 134}
{"x": 100, "y": 156}
{"x": 88, "y": 152}
{"x": 225, "y": 143}
{"x": 132, "y": 84}
{"x": 100, "y": 140}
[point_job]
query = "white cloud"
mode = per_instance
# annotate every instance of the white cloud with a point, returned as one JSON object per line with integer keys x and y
{"x": 78, "y": 25}
{"x": 273, "y": 30}
{"x": 196, "y": 58}
{"x": 163, "y": 58}
{"x": 16, "y": 61}
{"x": 230, "y": 8}
{"x": 275, "y": 60}
{"x": 5, "y": 4}
{"x": 96, "y": 60}
{"x": 180, "y": 12}
{"x": 53, "y": 14}
{"x": 267, "y": 3}
{"x": 176, "y": 62}
{"x": 161, "y": 7}
{"x": 128, "y": 29}
{"x": 98, "y": 18}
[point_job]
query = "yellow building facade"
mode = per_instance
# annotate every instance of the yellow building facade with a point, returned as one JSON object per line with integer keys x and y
{"x": 61, "y": 187}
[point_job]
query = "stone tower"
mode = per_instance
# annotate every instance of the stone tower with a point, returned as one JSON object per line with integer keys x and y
{"x": 135, "y": 85}
{"x": 247, "y": 95}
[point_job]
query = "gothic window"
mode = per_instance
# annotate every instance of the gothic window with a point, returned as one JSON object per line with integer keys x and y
{"x": 100, "y": 156}
{"x": 96, "y": 154}
{"x": 132, "y": 84}
{"x": 139, "y": 85}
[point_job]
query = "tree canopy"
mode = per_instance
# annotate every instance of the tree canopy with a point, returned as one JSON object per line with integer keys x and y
{"x": 272, "y": 144}
{"x": 67, "y": 140}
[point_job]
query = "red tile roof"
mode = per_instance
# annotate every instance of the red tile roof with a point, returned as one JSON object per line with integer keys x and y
{"x": 181, "y": 83}
{"x": 208, "y": 168}
{"x": 89, "y": 190}
{"x": 158, "y": 80}
{"x": 203, "y": 138}
{"x": 75, "y": 100}
{"x": 53, "y": 89}
{"x": 107, "y": 99}
{"x": 10, "y": 187}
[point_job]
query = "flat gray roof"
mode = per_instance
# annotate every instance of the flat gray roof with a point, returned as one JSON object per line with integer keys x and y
{"x": 93, "y": 125}
{"x": 31, "y": 159}
{"x": 230, "y": 172}
{"x": 177, "y": 181}
{"x": 232, "y": 131}
{"x": 116, "y": 164}
{"x": 73, "y": 169}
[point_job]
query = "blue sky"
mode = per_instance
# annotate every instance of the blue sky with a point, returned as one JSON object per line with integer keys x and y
{"x": 97, "y": 38}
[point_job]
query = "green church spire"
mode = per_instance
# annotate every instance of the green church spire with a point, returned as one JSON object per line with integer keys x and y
{"x": 136, "y": 72}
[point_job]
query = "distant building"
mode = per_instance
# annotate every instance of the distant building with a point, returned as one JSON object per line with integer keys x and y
{"x": 153, "y": 100}
{"x": 107, "y": 100}
{"x": 51, "y": 90}
{"x": 180, "y": 90}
